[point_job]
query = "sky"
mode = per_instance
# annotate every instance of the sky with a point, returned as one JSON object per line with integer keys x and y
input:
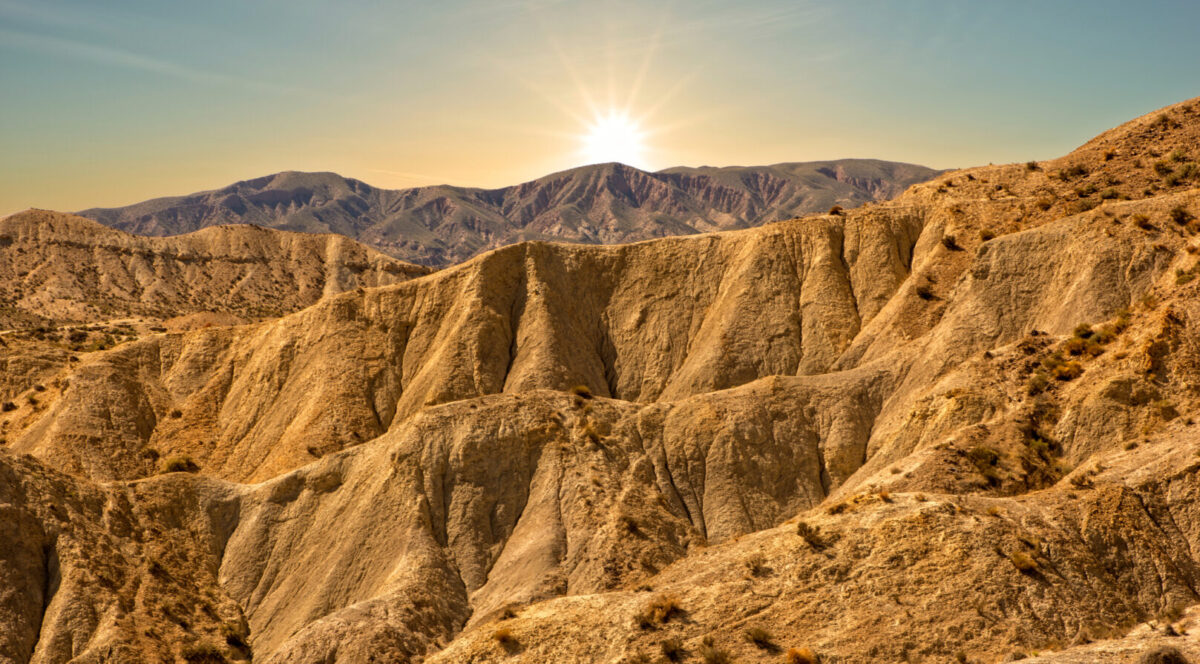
{"x": 110, "y": 103}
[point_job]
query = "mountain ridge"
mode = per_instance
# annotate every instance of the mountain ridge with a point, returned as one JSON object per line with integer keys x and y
{"x": 596, "y": 204}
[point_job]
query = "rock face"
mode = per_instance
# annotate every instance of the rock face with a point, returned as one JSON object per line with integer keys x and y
{"x": 956, "y": 426}
{"x": 601, "y": 204}
{"x": 59, "y": 266}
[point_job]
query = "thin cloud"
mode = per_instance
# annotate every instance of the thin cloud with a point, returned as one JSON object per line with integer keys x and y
{"x": 115, "y": 57}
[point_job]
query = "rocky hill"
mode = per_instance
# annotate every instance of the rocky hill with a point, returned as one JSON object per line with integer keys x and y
{"x": 56, "y": 266}
{"x": 601, "y": 204}
{"x": 953, "y": 427}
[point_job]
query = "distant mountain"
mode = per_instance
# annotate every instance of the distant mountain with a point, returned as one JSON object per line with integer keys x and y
{"x": 600, "y": 204}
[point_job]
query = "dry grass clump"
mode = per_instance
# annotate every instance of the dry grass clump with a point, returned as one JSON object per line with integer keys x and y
{"x": 672, "y": 649}
{"x": 711, "y": 654}
{"x": 505, "y": 639}
{"x": 836, "y": 210}
{"x": 1179, "y": 215}
{"x": 924, "y": 292}
{"x": 801, "y": 655}
{"x": 760, "y": 637}
{"x": 1163, "y": 655}
{"x": 811, "y": 535}
{"x": 203, "y": 653}
{"x": 582, "y": 391}
{"x": 660, "y": 611}
{"x": 178, "y": 463}
{"x": 1031, "y": 166}
{"x": 949, "y": 242}
{"x": 757, "y": 565}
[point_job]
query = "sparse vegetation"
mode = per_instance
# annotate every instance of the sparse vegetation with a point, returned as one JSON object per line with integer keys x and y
{"x": 178, "y": 463}
{"x": 950, "y": 243}
{"x": 1142, "y": 222}
{"x": 505, "y": 639}
{"x": 203, "y": 653}
{"x": 672, "y": 649}
{"x": 811, "y": 535}
{"x": 1031, "y": 166}
{"x": 1179, "y": 215}
{"x": 801, "y": 656}
{"x": 711, "y": 654}
{"x": 1163, "y": 655}
{"x": 760, "y": 637}
{"x": 925, "y": 292}
{"x": 836, "y": 210}
{"x": 756, "y": 565}
{"x": 582, "y": 391}
{"x": 987, "y": 234}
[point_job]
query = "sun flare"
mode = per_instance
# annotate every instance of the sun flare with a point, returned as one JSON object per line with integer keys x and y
{"x": 614, "y": 137}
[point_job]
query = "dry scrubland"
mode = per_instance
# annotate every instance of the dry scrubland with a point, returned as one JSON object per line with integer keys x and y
{"x": 952, "y": 427}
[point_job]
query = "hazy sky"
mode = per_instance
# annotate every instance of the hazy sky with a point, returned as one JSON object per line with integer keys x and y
{"x": 109, "y": 103}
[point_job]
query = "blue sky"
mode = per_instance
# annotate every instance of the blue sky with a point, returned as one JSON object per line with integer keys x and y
{"x": 111, "y": 103}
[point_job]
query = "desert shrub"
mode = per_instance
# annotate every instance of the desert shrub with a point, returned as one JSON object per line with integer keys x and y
{"x": 672, "y": 649}
{"x": 1108, "y": 155}
{"x": 1031, "y": 166}
{"x": 1179, "y": 215}
{"x": 760, "y": 637}
{"x": 1109, "y": 194}
{"x": 1163, "y": 168}
{"x": 178, "y": 463}
{"x": 1074, "y": 346}
{"x": 1163, "y": 655}
{"x": 8, "y": 407}
{"x": 1187, "y": 171}
{"x": 1172, "y": 179}
{"x": 811, "y": 535}
{"x": 176, "y": 414}
{"x": 756, "y": 565}
{"x": 1142, "y": 222}
{"x": 1073, "y": 171}
{"x": 1038, "y": 383}
{"x": 664, "y": 607}
{"x": 950, "y": 243}
{"x": 1024, "y": 563}
{"x": 581, "y": 391}
{"x": 639, "y": 658}
{"x": 1043, "y": 204}
{"x": 1085, "y": 190}
{"x": 1067, "y": 371}
{"x": 203, "y": 653}
{"x": 925, "y": 292}
{"x": 836, "y": 210}
{"x": 1178, "y": 155}
{"x": 1183, "y": 276}
{"x": 505, "y": 638}
{"x": 800, "y": 656}
{"x": 711, "y": 654}
{"x": 987, "y": 234}
{"x": 644, "y": 619}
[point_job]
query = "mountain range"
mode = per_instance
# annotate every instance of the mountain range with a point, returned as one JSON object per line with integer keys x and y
{"x": 600, "y": 204}
{"x": 958, "y": 426}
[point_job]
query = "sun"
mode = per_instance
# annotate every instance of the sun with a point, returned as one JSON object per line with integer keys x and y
{"x": 614, "y": 136}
